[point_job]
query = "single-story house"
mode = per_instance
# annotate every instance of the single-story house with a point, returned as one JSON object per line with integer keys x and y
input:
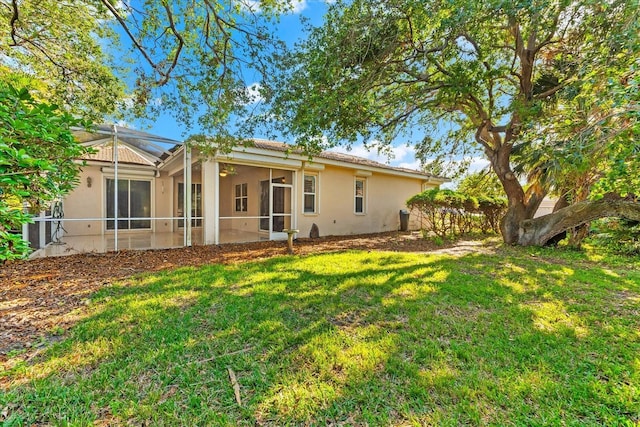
{"x": 546, "y": 206}
{"x": 252, "y": 193}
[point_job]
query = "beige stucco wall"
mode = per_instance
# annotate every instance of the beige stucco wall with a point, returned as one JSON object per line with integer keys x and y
{"x": 85, "y": 202}
{"x": 245, "y": 175}
{"x": 90, "y": 202}
{"x": 385, "y": 195}
{"x": 546, "y": 207}
{"x": 252, "y": 177}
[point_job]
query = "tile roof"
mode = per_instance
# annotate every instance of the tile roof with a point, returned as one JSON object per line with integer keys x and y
{"x": 340, "y": 157}
{"x": 125, "y": 155}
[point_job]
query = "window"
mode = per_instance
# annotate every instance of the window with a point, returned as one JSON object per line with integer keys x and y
{"x": 309, "y": 194}
{"x": 241, "y": 198}
{"x": 360, "y": 189}
{"x": 134, "y": 204}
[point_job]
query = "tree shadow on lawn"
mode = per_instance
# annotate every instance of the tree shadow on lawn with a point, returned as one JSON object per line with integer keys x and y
{"x": 355, "y": 338}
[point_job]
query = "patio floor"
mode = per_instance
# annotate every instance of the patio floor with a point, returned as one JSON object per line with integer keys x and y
{"x": 71, "y": 245}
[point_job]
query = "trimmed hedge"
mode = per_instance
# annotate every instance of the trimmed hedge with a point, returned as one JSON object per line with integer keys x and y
{"x": 448, "y": 213}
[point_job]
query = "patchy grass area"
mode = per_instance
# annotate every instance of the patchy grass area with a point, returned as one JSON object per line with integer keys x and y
{"x": 519, "y": 337}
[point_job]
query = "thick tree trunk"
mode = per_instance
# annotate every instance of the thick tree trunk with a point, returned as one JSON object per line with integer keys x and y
{"x": 517, "y": 210}
{"x": 510, "y": 224}
{"x": 537, "y": 231}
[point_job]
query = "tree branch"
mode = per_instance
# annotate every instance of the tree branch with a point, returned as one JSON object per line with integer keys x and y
{"x": 553, "y": 90}
{"x": 178, "y": 36}
{"x": 539, "y": 230}
{"x": 14, "y": 19}
{"x": 133, "y": 39}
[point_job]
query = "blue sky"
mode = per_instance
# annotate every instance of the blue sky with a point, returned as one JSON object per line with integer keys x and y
{"x": 289, "y": 29}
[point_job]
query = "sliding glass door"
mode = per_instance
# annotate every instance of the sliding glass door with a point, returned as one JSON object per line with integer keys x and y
{"x": 134, "y": 204}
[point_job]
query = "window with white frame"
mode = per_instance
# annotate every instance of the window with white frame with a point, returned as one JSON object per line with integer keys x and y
{"x": 310, "y": 194}
{"x": 360, "y": 193}
{"x": 241, "y": 197}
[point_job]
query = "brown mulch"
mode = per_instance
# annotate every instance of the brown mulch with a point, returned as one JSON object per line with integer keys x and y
{"x": 41, "y": 298}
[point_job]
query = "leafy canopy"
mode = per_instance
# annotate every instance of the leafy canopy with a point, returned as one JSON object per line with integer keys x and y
{"x": 481, "y": 184}
{"x": 194, "y": 60}
{"x": 467, "y": 76}
{"x": 455, "y": 77}
{"x": 36, "y": 166}
{"x": 59, "y": 49}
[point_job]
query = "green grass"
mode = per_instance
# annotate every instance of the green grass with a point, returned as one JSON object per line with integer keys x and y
{"x": 522, "y": 337}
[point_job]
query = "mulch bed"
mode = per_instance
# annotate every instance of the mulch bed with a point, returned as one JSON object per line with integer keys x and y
{"x": 41, "y": 298}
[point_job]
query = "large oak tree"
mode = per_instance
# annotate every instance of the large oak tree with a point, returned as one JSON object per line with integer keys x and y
{"x": 531, "y": 84}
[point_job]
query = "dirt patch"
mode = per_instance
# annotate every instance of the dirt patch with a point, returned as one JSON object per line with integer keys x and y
{"x": 41, "y": 298}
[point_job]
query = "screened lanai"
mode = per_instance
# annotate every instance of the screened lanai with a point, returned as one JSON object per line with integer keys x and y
{"x": 256, "y": 203}
{"x": 143, "y": 191}
{"x": 131, "y": 195}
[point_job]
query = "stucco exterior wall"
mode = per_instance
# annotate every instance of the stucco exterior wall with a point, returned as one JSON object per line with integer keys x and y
{"x": 252, "y": 176}
{"x": 85, "y": 202}
{"x": 385, "y": 196}
{"x": 245, "y": 175}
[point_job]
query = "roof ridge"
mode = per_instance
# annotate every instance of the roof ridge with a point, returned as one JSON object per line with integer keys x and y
{"x": 105, "y": 153}
{"x": 338, "y": 156}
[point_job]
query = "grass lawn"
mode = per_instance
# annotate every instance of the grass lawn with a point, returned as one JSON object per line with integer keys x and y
{"x": 519, "y": 337}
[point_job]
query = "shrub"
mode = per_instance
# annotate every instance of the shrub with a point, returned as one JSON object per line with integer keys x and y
{"x": 448, "y": 213}
{"x": 619, "y": 236}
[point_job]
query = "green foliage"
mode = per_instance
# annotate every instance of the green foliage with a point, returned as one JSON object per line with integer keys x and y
{"x": 374, "y": 71}
{"x": 481, "y": 184}
{"x": 511, "y": 337}
{"x": 111, "y": 58}
{"x": 619, "y": 236}
{"x": 448, "y": 213}
{"x": 552, "y": 81}
{"x": 59, "y": 48}
{"x": 586, "y": 142}
{"x": 37, "y": 150}
{"x": 193, "y": 59}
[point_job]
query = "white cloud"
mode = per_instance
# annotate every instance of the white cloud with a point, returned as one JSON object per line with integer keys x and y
{"x": 415, "y": 165}
{"x": 298, "y": 6}
{"x": 294, "y": 6}
{"x": 476, "y": 164}
{"x": 400, "y": 155}
{"x": 123, "y": 9}
{"x": 253, "y": 93}
{"x": 404, "y": 156}
{"x": 129, "y": 102}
